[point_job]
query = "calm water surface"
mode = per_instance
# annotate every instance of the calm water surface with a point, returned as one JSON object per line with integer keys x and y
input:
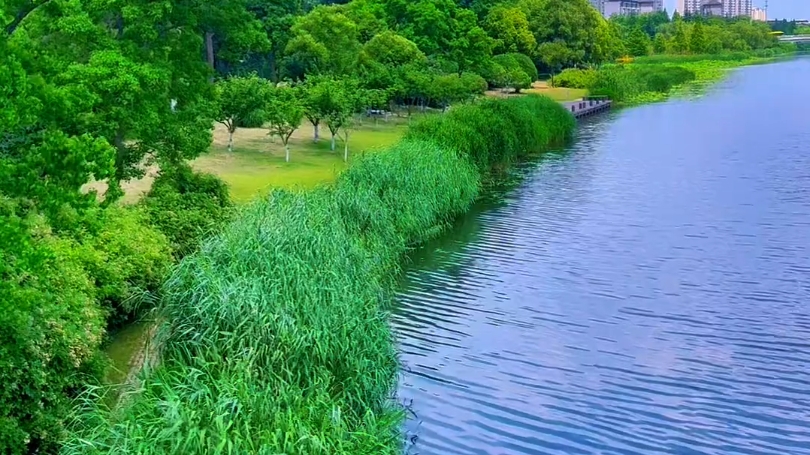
{"x": 645, "y": 291}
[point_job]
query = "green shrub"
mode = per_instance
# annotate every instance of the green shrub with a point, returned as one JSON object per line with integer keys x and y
{"x": 276, "y": 338}
{"x": 127, "y": 260}
{"x": 526, "y": 64}
{"x": 508, "y": 72}
{"x": 50, "y": 330}
{"x": 187, "y": 206}
{"x": 575, "y": 78}
{"x": 626, "y": 83}
{"x": 508, "y": 127}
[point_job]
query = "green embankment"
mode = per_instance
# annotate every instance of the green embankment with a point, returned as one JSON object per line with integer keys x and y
{"x": 657, "y": 77}
{"x": 277, "y": 339}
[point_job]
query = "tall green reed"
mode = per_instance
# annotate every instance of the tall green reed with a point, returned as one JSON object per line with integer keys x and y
{"x": 277, "y": 339}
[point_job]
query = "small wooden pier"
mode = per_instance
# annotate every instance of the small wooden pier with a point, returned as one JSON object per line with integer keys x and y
{"x": 587, "y": 107}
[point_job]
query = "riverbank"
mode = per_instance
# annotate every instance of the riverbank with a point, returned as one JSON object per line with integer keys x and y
{"x": 659, "y": 77}
{"x": 278, "y": 337}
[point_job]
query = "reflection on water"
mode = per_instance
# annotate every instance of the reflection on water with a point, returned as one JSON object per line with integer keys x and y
{"x": 648, "y": 291}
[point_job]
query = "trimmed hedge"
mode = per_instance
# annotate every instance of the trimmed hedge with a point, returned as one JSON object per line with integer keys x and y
{"x": 276, "y": 338}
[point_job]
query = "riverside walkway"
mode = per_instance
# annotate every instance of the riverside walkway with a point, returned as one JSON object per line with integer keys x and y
{"x": 587, "y": 107}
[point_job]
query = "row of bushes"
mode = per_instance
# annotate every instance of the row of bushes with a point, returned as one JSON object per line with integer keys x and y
{"x": 63, "y": 289}
{"x": 277, "y": 340}
{"x": 648, "y": 78}
{"x": 623, "y": 83}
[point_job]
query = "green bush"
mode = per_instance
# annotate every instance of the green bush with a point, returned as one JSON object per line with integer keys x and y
{"x": 508, "y": 71}
{"x": 187, "y": 206}
{"x": 526, "y": 64}
{"x": 127, "y": 260}
{"x": 575, "y": 78}
{"x": 625, "y": 83}
{"x": 508, "y": 127}
{"x": 50, "y": 331}
{"x": 276, "y": 338}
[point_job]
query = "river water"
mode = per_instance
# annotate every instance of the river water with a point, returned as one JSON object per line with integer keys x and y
{"x": 645, "y": 291}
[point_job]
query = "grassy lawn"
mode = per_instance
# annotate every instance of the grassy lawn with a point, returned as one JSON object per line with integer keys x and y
{"x": 257, "y": 163}
{"x": 556, "y": 93}
{"x": 544, "y": 88}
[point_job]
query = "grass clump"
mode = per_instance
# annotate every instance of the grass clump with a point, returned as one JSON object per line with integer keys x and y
{"x": 276, "y": 338}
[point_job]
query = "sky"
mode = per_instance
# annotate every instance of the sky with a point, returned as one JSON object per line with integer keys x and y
{"x": 777, "y": 9}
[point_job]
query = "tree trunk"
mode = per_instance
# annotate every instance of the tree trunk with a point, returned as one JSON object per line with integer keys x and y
{"x": 209, "y": 51}
{"x": 317, "y": 136}
{"x": 346, "y": 149}
{"x": 333, "y": 142}
{"x": 287, "y": 153}
{"x": 230, "y": 140}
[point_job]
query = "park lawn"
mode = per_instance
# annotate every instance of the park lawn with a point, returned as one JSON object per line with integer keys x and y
{"x": 557, "y": 93}
{"x": 257, "y": 163}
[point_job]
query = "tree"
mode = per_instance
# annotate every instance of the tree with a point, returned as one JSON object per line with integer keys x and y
{"x": 555, "y": 55}
{"x": 470, "y": 47}
{"x": 284, "y": 113}
{"x": 697, "y": 39}
{"x": 572, "y": 24}
{"x": 391, "y": 49}
{"x": 638, "y": 43}
{"x": 346, "y": 100}
{"x": 240, "y": 103}
{"x": 518, "y": 71}
{"x": 679, "y": 42}
{"x": 329, "y": 38}
{"x": 510, "y": 29}
{"x": 660, "y": 44}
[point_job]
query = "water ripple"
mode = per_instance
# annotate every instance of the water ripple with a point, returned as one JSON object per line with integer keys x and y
{"x": 644, "y": 293}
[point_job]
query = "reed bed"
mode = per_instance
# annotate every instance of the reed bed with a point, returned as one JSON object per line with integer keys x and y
{"x": 277, "y": 339}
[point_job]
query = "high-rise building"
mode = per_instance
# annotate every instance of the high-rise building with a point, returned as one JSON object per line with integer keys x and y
{"x": 689, "y": 7}
{"x": 624, "y": 7}
{"x": 759, "y": 14}
{"x": 736, "y": 8}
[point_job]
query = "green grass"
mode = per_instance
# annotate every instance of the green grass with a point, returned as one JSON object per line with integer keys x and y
{"x": 257, "y": 163}
{"x": 276, "y": 339}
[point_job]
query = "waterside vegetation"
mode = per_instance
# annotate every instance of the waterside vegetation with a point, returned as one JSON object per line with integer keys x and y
{"x": 275, "y": 337}
{"x": 102, "y": 98}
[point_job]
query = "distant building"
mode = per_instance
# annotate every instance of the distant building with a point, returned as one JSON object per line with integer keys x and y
{"x": 737, "y": 8}
{"x": 650, "y": 6}
{"x": 690, "y": 7}
{"x": 759, "y": 14}
{"x": 711, "y": 8}
{"x": 620, "y": 7}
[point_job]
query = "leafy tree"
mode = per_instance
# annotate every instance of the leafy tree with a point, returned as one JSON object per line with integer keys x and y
{"x": 326, "y": 41}
{"x": 660, "y": 44}
{"x": 518, "y": 71}
{"x": 284, "y": 113}
{"x": 679, "y": 42}
{"x": 638, "y": 43}
{"x": 470, "y": 47}
{"x": 240, "y": 102}
{"x": 697, "y": 39}
{"x": 510, "y": 29}
{"x": 346, "y": 100}
{"x": 572, "y": 24}
{"x": 391, "y": 49}
{"x": 556, "y": 55}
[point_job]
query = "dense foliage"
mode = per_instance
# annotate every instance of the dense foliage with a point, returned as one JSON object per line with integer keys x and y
{"x": 276, "y": 340}
{"x": 103, "y": 92}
